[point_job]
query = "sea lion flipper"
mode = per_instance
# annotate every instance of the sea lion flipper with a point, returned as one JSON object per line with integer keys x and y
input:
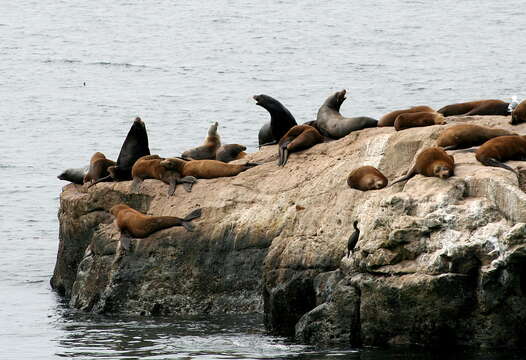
{"x": 280, "y": 155}
{"x": 285, "y": 156}
{"x": 450, "y": 147}
{"x": 410, "y": 173}
{"x": 100, "y": 180}
{"x": 188, "y": 182}
{"x": 495, "y": 163}
{"x": 193, "y": 215}
{"x": 134, "y": 187}
{"x": 173, "y": 185}
{"x": 273, "y": 142}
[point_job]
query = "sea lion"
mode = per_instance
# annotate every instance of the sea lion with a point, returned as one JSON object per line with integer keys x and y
{"x": 135, "y": 146}
{"x": 281, "y": 120}
{"x": 519, "y": 114}
{"x": 150, "y": 167}
{"x": 299, "y": 137}
{"x": 209, "y": 147}
{"x": 503, "y": 148}
{"x": 74, "y": 175}
{"x": 463, "y": 136}
{"x": 481, "y": 107}
{"x": 332, "y": 124}
{"x": 132, "y": 222}
{"x": 98, "y": 167}
{"x": 366, "y": 178}
{"x": 418, "y": 119}
{"x": 230, "y": 152}
{"x": 433, "y": 161}
{"x": 353, "y": 239}
{"x": 204, "y": 169}
{"x": 389, "y": 118}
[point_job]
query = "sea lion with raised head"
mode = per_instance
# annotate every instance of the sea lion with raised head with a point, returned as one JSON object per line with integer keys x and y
{"x": 299, "y": 137}
{"x": 230, "y": 152}
{"x": 418, "y": 119}
{"x": 332, "y": 124}
{"x": 209, "y": 147}
{"x": 281, "y": 120}
{"x": 518, "y": 114}
{"x": 389, "y": 118}
{"x": 98, "y": 168}
{"x": 480, "y": 107}
{"x": 366, "y": 178}
{"x": 74, "y": 175}
{"x": 496, "y": 151}
{"x": 433, "y": 161}
{"x": 463, "y": 136}
{"x": 132, "y": 222}
{"x": 150, "y": 167}
{"x": 135, "y": 146}
{"x": 204, "y": 169}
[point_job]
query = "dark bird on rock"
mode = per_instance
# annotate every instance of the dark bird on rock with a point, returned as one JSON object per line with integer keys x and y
{"x": 353, "y": 239}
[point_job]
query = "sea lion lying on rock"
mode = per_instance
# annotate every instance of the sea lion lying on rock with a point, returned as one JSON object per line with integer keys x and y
{"x": 230, "y": 152}
{"x": 299, "y": 137}
{"x": 433, "y": 161}
{"x": 463, "y": 136}
{"x": 418, "y": 119}
{"x": 98, "y": 168}
{"x": 389, "y": 118}
{"x": 366, "y": 178}
{"x": 496, "y": 151}
{"x": 480, "y": 107}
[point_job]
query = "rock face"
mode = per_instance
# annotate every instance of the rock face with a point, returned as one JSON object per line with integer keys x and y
{"x": 438, "y": 261}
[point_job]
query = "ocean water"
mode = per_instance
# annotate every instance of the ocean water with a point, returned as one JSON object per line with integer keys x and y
{"x": 74, "y": 74}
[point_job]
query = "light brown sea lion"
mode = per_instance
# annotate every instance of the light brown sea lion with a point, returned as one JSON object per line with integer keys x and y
{"x": 332, "y": 124}
{"x": 389, "y": 118}
{"x": 230, "y": 152}
{"x": 209, "y": 147}
{"x": 366, "y": 178}
{"x": 463, "y": 136}
{"x": 134, "y": 223}
{"x": 299, "y": 137}
{"x": 480, "y": 107}
{"x": 433, "y": 161}
{"x": 418, "y": 119}
{"x": 503, "y": 148}
{"x": 150, "y": 167}
{"x": 519, "y": 114}
{"x": 98, "y": 167}
{"x": 204, "y": 169}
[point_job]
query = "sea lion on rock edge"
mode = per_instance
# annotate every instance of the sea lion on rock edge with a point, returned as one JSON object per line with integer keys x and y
{"x": 230, "y": 152}
{"x": 98, "y": 167}
{"x": 433, "y": 161}
{"x": 150, "y": 167}
{"x": 418, "y": 119}
{"x": 366, "y": 178}
{"x": 463, "y": 136}
{"x": 481, "y": 107}
{"x": 496, "y": 151}
{"x": 299, "y": 137}
{"x": 389, "y": 118}
{"x": 209, "y": 147}
{"x": 281, "y": 120}
{"x": 137, "y": 224}
{"x": 74, "y": 175}
{"x": 332, "y": 124}
{"x": 519, "y": 114}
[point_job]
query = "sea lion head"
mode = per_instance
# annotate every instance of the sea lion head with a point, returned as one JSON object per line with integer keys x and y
{"x": 172, "y": 163}
{"x": 336, "y": 100}
{"x": 138, "y": 122}
{"x": 63, "y": 175}
{"x": 442, "y": 170}
{"x": 440, "y": 120}
{"x": 212, "y": 131}
{"x": 267, "y": 102}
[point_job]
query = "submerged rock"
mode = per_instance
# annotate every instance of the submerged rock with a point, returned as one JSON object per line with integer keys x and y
{"x": 438, "y": 262}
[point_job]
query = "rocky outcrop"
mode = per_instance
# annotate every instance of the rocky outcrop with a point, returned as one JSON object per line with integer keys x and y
{"x": 437, "y": 262}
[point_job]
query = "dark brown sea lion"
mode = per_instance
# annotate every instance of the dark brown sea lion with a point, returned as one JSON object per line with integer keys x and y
{"x": 418, "y": 119}
{"x": 74, "y": 175}
{"x": 230, "y": 152}
{"x": 209, "y": 147}
{"x": 135, "y": 146}
{"x": 204, "y": 169}
{"x": 433, "y": 161}
{"x": 150, "y": 167}
{"x": 481, "y": 107}
{"x": 518, "y": 115}
{"x": 281, "y": 120}
{"x": 132, "y": 222}
{"x": 496, "y": 151}
{"x": 332, "y": 124}
{"x": 389, "y": 118}
{"x": 299, "y": 137}
{"x": 98, "y": 167}
{"x": 366, "y": 178}
{"x": 463, "y": 136}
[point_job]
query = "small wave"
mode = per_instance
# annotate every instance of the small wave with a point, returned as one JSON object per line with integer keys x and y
{"x": 125, "y": 65}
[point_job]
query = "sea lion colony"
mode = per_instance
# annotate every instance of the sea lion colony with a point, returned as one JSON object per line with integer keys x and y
{"x": 210, "y": 160}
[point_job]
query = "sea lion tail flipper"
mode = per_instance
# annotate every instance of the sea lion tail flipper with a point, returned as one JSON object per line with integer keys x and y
{"x": 280, "y": 155}
{"x": 173, "y": 185}
{"x": 100, "y": 180}
{"x": 188, "y": 182}
{"x": 407, "y": 176}
{"x": 134, "y": 188}
{"x": 252, "y": 164}
{"x": 285, "y": 156}
{"x": 193, "y": 215}
{"x": 495, "y": 163}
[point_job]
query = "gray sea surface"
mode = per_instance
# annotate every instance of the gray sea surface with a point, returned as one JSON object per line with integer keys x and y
{"x": 74, "y": 74}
